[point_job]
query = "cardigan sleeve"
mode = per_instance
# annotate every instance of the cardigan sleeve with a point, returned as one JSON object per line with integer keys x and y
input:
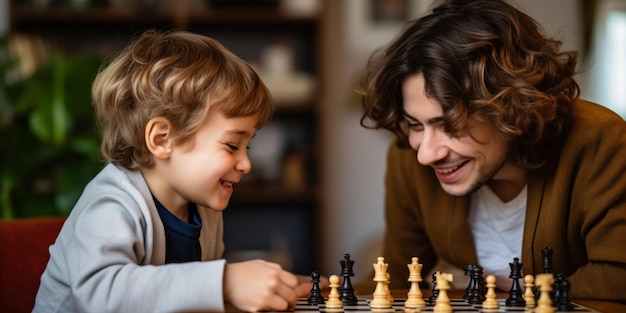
{"x": 602, "y": 207}
{"x": 579, "y": 207}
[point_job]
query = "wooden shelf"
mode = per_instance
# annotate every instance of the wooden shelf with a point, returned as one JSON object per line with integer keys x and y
{"x": 24, "y": 16}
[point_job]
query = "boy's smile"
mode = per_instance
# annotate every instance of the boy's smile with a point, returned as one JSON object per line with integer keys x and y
{"x": 204, "y": 170}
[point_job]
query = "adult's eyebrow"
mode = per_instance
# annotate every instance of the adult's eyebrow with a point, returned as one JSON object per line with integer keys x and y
{"x": 429, "y": 121}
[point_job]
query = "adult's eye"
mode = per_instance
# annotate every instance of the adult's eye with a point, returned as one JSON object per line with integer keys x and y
{"x": 415, "y": 126}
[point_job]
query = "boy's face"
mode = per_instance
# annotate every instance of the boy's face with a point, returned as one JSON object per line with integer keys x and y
{"x": 462, "y": 164}
{"x": 205, "y": 170}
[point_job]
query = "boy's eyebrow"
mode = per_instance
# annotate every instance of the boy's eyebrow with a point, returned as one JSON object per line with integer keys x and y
{"x": 238, "y": 132}
{"x": 243, "y": 133}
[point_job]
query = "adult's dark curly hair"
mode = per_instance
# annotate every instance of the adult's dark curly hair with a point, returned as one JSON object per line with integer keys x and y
{"x": 483, "y": 60}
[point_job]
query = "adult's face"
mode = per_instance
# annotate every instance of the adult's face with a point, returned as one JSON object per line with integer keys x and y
{"x": 462, "y": 164}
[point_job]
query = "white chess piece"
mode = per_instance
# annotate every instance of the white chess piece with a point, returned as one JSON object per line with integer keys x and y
{"x": 442, "y": 303}
{"x": 490, "y": 298}
{"x": 333, "y": 301}
{"x": 380, "y": 298}
{"x": 529, "y": 294}
{"x": 544, "y": 282}
{"x": 414, "y": 296}
{"x": 387, "y": 290}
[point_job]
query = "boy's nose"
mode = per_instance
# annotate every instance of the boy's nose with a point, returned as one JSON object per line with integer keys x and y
{"x": 244, "y": 165}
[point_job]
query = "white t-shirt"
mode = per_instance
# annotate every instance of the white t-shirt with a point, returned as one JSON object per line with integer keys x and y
{"x": 498, "y": 228}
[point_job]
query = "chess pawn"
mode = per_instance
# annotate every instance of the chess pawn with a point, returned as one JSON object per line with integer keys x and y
{"x": 333, "y": 301}
{"x": 442, "y": 303}
{"x": 414, "y": 296}
{"x": 529, "y": 294}
{"x": 544, "y": 282}
{"x": 490, "y": 298}
{"x": 316, "y": 293}
{"x": 380, "y": 298}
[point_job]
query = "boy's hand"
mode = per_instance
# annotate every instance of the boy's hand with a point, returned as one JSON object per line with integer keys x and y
{"x": 259, "y": 285}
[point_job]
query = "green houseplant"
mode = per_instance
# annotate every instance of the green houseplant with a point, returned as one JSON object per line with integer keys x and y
{"x": 50, "y": 146}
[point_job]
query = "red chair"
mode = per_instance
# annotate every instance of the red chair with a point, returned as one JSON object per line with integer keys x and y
{"x": 23, "y": 257}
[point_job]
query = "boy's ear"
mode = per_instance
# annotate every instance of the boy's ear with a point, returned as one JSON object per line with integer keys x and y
{"x": 159, "y": 136}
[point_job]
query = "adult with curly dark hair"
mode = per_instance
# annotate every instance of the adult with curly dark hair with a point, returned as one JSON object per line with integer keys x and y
{"x": 505, "y": 159}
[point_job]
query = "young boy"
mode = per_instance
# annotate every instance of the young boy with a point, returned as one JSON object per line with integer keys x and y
{"x": 177, "y": 112}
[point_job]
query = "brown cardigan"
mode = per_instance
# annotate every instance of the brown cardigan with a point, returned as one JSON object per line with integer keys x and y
{"x": 576, "y": 205}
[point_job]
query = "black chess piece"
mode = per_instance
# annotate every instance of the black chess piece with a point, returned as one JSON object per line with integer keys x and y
{"x": 516, "y": 297}
{"x": 546, "y": 253}
{"x": 316, "y": 293}
{"x": 435, "y": 291}
{"x": 479, "y": 290}
{"x": 482, "y": 285}
{"x": 346, "y": 292}
{"x": 563, "y": 303}
{"x": 471, "y": 285}
{"x": 546, "y": 265}
{"x": 555, "y": 294}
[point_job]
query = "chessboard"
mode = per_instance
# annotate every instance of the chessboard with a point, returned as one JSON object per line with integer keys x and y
{"x": 458, "y": 306}
{"x": 542, "y": 293}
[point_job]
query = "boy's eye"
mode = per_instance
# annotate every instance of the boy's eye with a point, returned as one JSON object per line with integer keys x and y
{"x": 232, "y": 147}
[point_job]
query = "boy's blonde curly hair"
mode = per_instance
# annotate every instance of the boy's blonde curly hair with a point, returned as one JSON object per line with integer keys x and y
{"x": 176, "y": 75}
